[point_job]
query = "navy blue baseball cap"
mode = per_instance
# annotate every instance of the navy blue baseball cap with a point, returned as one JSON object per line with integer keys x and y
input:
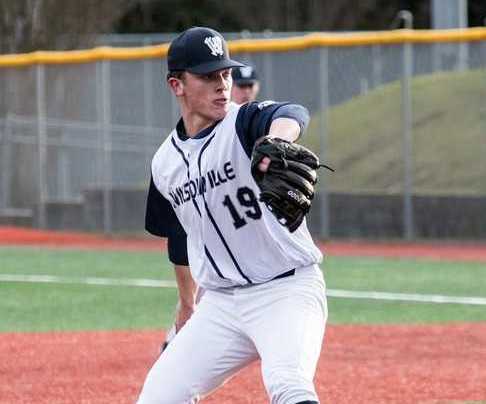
{"x": 199, "y": 50}
{"x": 244, "y": 75}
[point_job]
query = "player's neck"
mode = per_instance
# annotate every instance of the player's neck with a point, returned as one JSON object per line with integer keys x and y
{"x": 195, "y": 124}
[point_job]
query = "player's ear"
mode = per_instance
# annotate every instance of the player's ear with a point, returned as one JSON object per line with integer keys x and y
{"x": 176, "y": 84}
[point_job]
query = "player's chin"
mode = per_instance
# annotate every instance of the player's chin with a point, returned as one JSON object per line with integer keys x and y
{"x": 219, "y": 110}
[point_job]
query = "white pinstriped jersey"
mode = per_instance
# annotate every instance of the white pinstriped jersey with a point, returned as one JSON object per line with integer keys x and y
{"x": 232, "y": 238}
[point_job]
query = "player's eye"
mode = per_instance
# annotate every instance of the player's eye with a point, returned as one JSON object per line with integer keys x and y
{"x": 215, "y": 76}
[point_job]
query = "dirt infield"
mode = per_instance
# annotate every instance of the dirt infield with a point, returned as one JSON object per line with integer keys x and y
{"x": 360, "y": 364}
{"x": 440, "y": 251}
{"x": 33, "y": 237}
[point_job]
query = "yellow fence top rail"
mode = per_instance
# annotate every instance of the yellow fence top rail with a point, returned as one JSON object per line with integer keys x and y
{"x": 251, "y": 46}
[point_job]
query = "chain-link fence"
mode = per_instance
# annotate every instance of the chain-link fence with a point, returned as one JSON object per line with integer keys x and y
{"x": 400, "y": 116}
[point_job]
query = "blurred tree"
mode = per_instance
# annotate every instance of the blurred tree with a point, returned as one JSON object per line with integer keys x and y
{"x": 177, "y": 15}
{"x": 278, "y": 15}
{"x": 477, "y": 13}
{"x": 27, "y": 25}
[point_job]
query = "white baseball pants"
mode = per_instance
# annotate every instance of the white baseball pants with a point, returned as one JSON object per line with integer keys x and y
{"x": 281, "y": 321}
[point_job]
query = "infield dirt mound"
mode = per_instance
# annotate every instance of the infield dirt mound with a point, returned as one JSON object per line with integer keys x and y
{"x": 360, "y": 364}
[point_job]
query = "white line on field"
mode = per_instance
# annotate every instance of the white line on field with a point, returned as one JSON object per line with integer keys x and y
{"x": 406, "y": 297}
{"x": 150, "y": 283}
{"x": 153, "y": 283}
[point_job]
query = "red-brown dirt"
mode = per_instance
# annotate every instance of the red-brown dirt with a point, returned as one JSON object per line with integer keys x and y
{"x": 436, "y": 250}
{"x": 33, "y": 237}
{"x": 359, "y": 364}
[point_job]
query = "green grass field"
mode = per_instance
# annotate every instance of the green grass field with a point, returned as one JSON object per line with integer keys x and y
{"x": 51, "y": 306}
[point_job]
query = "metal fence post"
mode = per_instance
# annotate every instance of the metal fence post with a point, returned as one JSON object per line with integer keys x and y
{"x": 148, "y": 97}
{"x": 41, "y": 143}
{"x": 482, "y": 107}
{"x": 6, "y": 164}
{"x": 107, "y": 145}
{"x": 406, "y": 95}
{"x": 65, "y": 171}
{"x": 148, "y": 85}
{"x": 63, "y": 186}
{"x": 448, "y": 14}
{"x": 323, "y": 109}
{"x": 268, "y": 73}
{"x": 376, "y": 66}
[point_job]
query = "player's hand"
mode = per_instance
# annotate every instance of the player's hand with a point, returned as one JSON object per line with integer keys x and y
{"x": 184, "y": 313}
{"x": 286, "y": 174}
{"x": 264, "y": 164}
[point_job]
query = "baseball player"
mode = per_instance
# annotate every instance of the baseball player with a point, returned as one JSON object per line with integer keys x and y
{"x": 245, "y": 89}
{"x": 245, "y": 84}
{"x": 220, "y": 193}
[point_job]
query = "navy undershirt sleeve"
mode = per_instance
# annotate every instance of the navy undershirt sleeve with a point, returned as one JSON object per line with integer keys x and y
{"x": 161, "y": 220}
{"x": 254, "y": 120}
{"x": 296, "y": 112}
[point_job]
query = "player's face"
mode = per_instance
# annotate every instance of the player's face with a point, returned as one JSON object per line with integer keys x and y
{"x": 207, "y": 95}
{"x": 245, "y": 93}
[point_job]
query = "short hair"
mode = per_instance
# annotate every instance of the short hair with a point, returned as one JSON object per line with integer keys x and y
{"x": 177, "y": 74}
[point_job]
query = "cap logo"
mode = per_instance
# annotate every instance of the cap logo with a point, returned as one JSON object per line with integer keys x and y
{"x": 246, "y": 71}
{"x": 215, "y": 45}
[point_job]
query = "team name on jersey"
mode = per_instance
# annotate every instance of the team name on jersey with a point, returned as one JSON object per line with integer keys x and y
{"x": 198, "y": 186}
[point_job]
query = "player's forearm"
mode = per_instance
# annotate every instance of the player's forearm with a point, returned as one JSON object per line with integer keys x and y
{"x": 186, "y": 285}
{"x": 289, "y": 122}
{"x": 285, "y": 128}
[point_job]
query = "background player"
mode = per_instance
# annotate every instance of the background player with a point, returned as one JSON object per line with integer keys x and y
{"x": 245, "y": 84}
{"x": 264, "y": 292}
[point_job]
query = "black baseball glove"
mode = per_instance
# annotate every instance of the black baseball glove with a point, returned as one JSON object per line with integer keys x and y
{"x": 287, "y": 188}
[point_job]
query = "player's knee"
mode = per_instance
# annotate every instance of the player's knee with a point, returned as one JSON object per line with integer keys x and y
{"x": 161, "y": 388}
{"x": 290, "y": 387}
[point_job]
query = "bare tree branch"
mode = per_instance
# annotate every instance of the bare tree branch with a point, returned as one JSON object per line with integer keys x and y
{"x": 27, "y": 25}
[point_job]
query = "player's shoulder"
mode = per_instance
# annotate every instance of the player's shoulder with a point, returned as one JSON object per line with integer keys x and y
{"x": 256, "y": 111}
{"x": 255, "y": 106}
{"x": 252, "y": 105}
{"x": 264, "y": 104}
{"x": 165, "y": 150}
{"x": 165, "y": 146}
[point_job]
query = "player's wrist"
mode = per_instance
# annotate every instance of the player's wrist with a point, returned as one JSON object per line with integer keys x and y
{"x": 285, "y": 128}
{"x": 187, "y": 304}
{"x": 184, "y": 313}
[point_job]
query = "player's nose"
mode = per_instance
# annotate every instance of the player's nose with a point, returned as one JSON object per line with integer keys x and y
{"x": 223, "y": 82}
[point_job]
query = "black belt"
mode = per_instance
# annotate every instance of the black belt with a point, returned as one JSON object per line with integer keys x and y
{"x": 285, "y": 274}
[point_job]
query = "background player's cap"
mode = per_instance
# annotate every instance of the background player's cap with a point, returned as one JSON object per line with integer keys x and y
{"x": 199, "y": 50}
{"x": 244, "y": 75}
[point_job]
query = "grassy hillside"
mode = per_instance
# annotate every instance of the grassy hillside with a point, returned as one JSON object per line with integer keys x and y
{"x": 364, "y": 139}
